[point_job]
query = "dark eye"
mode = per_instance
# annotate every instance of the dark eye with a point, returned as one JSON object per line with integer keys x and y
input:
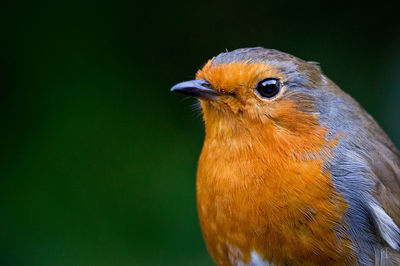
{"x": 268, "y": 87}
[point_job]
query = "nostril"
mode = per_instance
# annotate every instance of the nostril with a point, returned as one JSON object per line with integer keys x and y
{"x": 206, "y": 84}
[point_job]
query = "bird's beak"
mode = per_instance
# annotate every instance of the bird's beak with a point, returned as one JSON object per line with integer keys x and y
{"x": 199, "y": 88}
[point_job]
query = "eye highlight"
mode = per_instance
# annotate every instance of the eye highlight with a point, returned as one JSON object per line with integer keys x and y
{"x": 268, "y": 88}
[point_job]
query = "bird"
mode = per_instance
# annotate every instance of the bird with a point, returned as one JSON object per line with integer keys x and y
{"x": 293, "y": 171}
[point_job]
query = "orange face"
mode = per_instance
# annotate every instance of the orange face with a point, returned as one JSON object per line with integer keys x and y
{"x": 241, "y": 107}
{"x": 238, "y": 80}
{"x": 262, "y": 185}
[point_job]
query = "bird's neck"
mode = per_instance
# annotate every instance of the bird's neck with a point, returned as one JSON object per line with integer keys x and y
{"x": 267, "y": 141}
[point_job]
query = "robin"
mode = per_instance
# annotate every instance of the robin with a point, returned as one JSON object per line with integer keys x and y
{"x": 293, "y": 171}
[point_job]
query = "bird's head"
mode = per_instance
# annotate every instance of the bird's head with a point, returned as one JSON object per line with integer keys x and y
{"x": 260, "y": 92}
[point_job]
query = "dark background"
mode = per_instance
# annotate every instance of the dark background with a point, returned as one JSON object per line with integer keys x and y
{"x": 98, "y": 158}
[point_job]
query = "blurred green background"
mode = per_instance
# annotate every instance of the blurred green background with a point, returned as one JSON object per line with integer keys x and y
{"x": 98, "y": 158}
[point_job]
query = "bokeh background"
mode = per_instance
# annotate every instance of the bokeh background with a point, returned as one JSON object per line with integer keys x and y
{"x": 98, "y": 158}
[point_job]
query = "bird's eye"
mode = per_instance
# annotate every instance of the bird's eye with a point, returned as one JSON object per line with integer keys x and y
{"x": 268, "y": 87}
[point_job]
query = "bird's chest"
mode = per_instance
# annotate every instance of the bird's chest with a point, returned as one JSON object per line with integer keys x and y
{"x": 284, "y": 211}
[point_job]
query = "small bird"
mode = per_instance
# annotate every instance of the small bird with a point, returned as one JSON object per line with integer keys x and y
{"x": 293, "y": 171}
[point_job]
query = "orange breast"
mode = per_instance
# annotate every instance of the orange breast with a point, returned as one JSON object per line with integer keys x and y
{"x": 264, "y": 190}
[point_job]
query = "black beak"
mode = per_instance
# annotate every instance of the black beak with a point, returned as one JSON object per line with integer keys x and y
{"x": 199, "y": 88}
